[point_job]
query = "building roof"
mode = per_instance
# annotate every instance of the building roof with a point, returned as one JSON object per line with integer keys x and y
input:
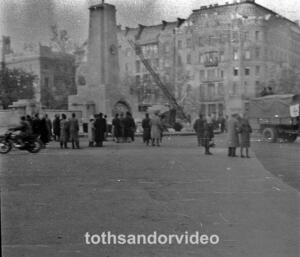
{"x": 239, "y": 8}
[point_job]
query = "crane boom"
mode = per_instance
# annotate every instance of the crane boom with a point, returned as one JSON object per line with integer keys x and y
{"x": 158, "y": 81}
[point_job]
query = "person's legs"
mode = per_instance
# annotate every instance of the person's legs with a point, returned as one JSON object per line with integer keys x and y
{"x": 230, "y": 151}
{"x": 241, "y": 151}
{"x": 153, "y": 142}
{"x": 157, "y": 141}
{"x": 247, "y": 152}
{"x": 233, "y": 151}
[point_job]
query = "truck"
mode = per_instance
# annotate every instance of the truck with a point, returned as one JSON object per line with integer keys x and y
{"x": 276, "y": 116}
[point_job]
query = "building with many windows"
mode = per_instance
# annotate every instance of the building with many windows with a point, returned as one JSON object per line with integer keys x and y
{"x": 215, "y": 60}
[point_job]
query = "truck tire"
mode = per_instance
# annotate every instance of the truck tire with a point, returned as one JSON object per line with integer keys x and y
{"x": 290, "y": 137}
{"x": 270, "y": 134}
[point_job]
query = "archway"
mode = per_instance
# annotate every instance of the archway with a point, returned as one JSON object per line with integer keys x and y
{"x": 121, "y": 107}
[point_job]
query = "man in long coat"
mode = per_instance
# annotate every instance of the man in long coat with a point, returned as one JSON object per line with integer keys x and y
{"x": 74, "y": 131}
{"x": 100, "y": 129}
{"x": 117, "y": 129}
{"x": 146, "y": 129}
{"x": 199, "y": 129}
{"x": 233, "y": 135}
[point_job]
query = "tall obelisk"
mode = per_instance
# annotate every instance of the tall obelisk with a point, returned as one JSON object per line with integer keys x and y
{"x": 102, "y": 63}
{"x": 103, "y": 60}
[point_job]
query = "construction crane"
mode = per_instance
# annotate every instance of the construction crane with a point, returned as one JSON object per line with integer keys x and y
{"x": 173, "y": 102}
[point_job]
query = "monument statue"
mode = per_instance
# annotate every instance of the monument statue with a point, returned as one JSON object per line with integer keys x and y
{"x": 102, "y": 90}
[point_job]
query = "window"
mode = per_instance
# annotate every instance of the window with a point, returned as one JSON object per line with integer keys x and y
{"x": 202, "y": 91}
{"x": 189, "y": 43}
{"x": 235, "y": 37}
{"x": 212, "y": 109}
{"x": 257, "y": 70}
{"x": 211, "y": 74}
{"x": 257, "y": 52}
{"x": 202, "y": 75}
{"x": 222, "y": 56}
{"x": 247, "y": 71}
{"x": 188, "y": 59}
{"x": 179, "y": 44}
{"x": 235, "y": 54}
{"x": 137, "y": 80}
{"x": 179, "y": 60}
{"x": 220, "y": 89}
{"x": 257, "y": 35}
{"x": 201, "y": 41}
{"x": 222, "y": 74}
{"x": 234, "y": 88}
{"x": 235, "y": 71}
{"x": 201, "y": 58}
{"x": 211, "y": 90}
{"x": 247, "y": 55}
{"x": 46, "y": 82}
{"x": 126, "y": 67}
{"x": 166, "y": 48}
{"x": 138, "y": 66}
{"x": 210, "y": 40}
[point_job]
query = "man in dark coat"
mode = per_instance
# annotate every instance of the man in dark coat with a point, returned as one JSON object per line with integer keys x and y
{"x": 44, "y": 131}
{"x": 199, "y": 129}
{"x": 56, "y": 127}
{"x": 36, "y": 125}
{"x": 208, "y": 134}
{"x": 117, "y": 129}
{"x": 100, "y": 129}
{"x": 129, "y": 128}
{"x": 146, "y": 125}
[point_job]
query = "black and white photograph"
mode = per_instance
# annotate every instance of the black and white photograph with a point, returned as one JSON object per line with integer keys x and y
{"x": 150, "y": 128}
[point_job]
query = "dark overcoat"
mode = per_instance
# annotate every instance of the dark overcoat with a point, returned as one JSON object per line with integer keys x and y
{"x": 100, "y": 129}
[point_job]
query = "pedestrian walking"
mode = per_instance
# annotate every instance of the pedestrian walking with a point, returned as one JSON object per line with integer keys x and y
{"x": 117, "y": 128}
{"x": 91, "y": 131}
{"x": 208, "y": 135}
{"x": 64, "y": 131}
{"x": 156, "y": 129}
{"x": 56, "y": 127}
{"x": 100, "y": 129}
{"x": 146, "y": 129}
{"x": 233, "y": 138}
{"x": 244, "y": 136}
{"x": 199, "y": 129}
{"x": 74, "y": 131}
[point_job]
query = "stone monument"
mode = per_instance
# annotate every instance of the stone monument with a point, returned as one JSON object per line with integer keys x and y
{"x": 102, "y": 90}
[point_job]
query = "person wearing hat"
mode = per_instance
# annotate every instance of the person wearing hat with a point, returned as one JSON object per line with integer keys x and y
{"x": 91, "y": 131}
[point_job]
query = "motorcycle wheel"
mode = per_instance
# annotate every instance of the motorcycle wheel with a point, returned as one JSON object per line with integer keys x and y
{"x": 5, "y": 146}
{"x": 35, "y": 146}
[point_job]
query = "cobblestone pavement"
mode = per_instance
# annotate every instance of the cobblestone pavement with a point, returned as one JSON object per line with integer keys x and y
{"x": 51, "y": 199}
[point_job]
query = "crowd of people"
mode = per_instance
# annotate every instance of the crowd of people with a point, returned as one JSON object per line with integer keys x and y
{"x": 237, "y": 128}
{"x": 64, "y": 130}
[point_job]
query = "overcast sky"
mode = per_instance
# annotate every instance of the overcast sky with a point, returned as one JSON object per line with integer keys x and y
{"x": 30, "y": 20}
